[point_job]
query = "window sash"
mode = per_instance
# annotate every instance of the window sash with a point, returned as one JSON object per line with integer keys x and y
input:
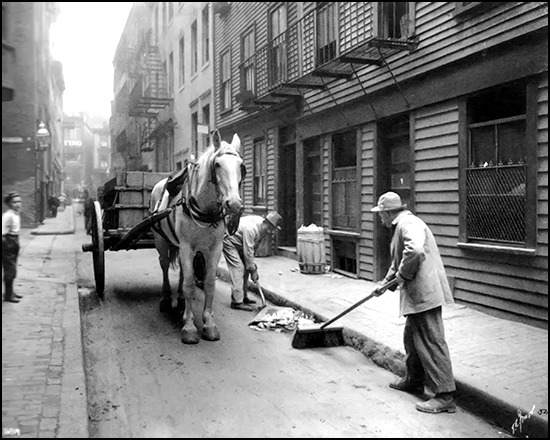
{"x": 259, "y": 172}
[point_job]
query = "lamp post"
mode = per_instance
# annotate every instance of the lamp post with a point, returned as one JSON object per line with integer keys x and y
{"x": 42, "y": 140}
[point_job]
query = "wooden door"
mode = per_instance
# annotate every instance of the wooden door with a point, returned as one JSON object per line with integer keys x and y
{"x": 287, "y": 194}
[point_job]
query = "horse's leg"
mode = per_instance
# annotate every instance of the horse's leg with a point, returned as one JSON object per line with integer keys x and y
{"x": 210, "y": 330}
{"x": 164, "y": 260}
{"x": 181, "y": 298}
{"x": 189, "y": 333}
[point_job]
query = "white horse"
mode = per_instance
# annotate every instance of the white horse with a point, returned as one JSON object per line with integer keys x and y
{"x": 206, "y": 194}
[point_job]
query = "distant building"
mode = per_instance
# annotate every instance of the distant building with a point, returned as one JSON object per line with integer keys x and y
{"x": 32, "y": 89}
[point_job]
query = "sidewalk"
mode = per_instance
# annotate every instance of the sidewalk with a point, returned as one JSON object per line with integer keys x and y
{"x": 43, "y": 381}
{"x": 500, "y": 366}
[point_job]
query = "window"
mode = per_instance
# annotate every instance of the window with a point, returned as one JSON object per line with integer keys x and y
{"x": 194, "y": 48}
{"x": 327, "y": 29}
{"x": 156, "y": 25}
{"x": 182, "y": 61}
{"x": 260, "y": 167}
{"x": 205, "y": 121}
{"x": 163, "y": 13}
{"x": 497, "y": 185}
{"x": 248, "y": 76}
{"x": 225, "y": 92}
{"x": 395, "y": 20}
{"x": 344, "y": 181}
{"x": 205, "y": 35}
{"x": 194, "y": 135}
{"x": 277, "y": 50}
{"x": 171, "y": 74}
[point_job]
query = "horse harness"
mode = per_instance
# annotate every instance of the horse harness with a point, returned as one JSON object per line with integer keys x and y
{"x": 180, "y": 181}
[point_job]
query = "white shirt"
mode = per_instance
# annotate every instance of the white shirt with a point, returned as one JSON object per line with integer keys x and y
{"x": 11, "y": 222}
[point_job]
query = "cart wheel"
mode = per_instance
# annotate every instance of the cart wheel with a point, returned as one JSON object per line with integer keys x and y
{"x": 98, "y": 250}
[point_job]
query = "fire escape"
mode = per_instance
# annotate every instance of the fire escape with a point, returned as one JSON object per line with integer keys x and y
{"x": 327, "y": 44}
{"x": 149, "y": 94}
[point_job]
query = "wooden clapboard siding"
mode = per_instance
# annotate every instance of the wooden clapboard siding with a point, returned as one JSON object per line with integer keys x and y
{"x": 326, "y": 163}
{"x": 542, "y": 177}
{"x": 506, "y": 283}
{"x": 443, "y": 39}
{"x": 247, "y": 148}
{"x": 271, "y": 194}
{"x": 366, "y": 243}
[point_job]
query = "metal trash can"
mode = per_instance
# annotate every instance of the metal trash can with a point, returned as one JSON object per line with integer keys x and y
{"x": 311, "y": 249}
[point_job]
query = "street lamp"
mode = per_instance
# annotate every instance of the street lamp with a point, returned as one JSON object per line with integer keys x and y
{"x": 42, "y": 140}
{"x": 42, "y": 136}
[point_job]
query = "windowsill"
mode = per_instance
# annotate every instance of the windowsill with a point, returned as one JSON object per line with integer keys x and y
{"x": 226, "y": 112}
{"x": 259, "y": 208}
{"x": 497, "y": 249}
{"x": 347, "y": 234}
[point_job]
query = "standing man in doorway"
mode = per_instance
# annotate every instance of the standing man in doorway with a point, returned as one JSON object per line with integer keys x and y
{"x": 424, "y": 289}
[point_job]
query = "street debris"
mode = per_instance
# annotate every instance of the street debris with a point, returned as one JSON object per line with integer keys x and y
{"x": 279, "y": 319}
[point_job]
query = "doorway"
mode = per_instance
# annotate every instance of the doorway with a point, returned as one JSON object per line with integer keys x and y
{"x": 393, "y": 173}
{"x": 287, "y": 194}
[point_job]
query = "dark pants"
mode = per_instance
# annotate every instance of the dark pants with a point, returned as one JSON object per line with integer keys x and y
{"x": 10, "y": 252}
{"x": 428, "y": 359}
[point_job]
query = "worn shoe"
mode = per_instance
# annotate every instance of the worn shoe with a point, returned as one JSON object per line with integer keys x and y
{"x": 407, "y": 386}
{"x": 241, "y": 306}
{"x": 249, "y": 300}
{"x": 439, "y": 403}
{"x": 11, "y": 299}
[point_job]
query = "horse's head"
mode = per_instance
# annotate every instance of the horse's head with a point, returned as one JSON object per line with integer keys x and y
{"x": 228, "y": 172}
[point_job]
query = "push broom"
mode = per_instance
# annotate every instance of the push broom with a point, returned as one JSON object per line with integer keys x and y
{"x": 321, "y": 335}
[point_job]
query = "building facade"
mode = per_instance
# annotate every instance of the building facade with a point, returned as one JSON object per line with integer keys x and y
{"x": 445, "y": 103}
{"x": 31, "y": 94}
{"x": 163, "y": 80}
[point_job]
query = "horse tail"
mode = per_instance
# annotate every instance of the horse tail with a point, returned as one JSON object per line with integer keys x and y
{"x": 199, "y": 267}
{"x": 173, "y": 253}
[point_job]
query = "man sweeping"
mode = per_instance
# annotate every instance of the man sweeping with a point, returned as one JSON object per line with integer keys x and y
{"x": 424, "y": 289}
{"x": 238, "y": 250}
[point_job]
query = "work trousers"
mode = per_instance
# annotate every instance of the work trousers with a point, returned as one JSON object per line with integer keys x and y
{"x": 10, "y": 252}
{"x": 428, "y": 359}
{"x": 237, "y": 272}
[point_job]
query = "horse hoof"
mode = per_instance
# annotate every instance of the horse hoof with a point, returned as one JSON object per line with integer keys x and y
{"x": 165, "y": 305}
{"x": 188, "y": 337}
{"x": 211, "y": 333}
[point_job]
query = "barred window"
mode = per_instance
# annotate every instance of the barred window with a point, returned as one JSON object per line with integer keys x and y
{"x": 260, "y": 175}
{"x": 496, "y": 176}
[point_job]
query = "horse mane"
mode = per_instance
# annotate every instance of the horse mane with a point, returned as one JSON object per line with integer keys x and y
{"x": 208, "y": 155}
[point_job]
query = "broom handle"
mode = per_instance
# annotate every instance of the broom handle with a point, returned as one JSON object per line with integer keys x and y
{"x": 358, "y": 303}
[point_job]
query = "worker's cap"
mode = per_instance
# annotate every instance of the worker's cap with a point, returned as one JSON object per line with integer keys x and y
{"x": 389, "y": 201}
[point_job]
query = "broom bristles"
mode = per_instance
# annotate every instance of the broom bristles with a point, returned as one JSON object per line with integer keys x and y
{"x": 327, "y": 337}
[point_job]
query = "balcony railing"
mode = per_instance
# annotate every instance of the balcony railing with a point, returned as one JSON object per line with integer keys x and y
{"x": 322, "y": 46}
{"x": 8, "y": 71}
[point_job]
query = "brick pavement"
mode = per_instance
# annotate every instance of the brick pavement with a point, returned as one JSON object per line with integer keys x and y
{"x": 43, "y": 385}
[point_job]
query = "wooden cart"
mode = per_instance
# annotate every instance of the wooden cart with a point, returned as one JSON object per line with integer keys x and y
{"x": 121, "y": 218}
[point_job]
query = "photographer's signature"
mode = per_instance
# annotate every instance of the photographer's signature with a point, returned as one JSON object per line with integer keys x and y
{"x": 518, "y": 424}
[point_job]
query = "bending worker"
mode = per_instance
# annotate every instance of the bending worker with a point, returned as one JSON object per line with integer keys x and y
{"x": 238, "y": 250}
